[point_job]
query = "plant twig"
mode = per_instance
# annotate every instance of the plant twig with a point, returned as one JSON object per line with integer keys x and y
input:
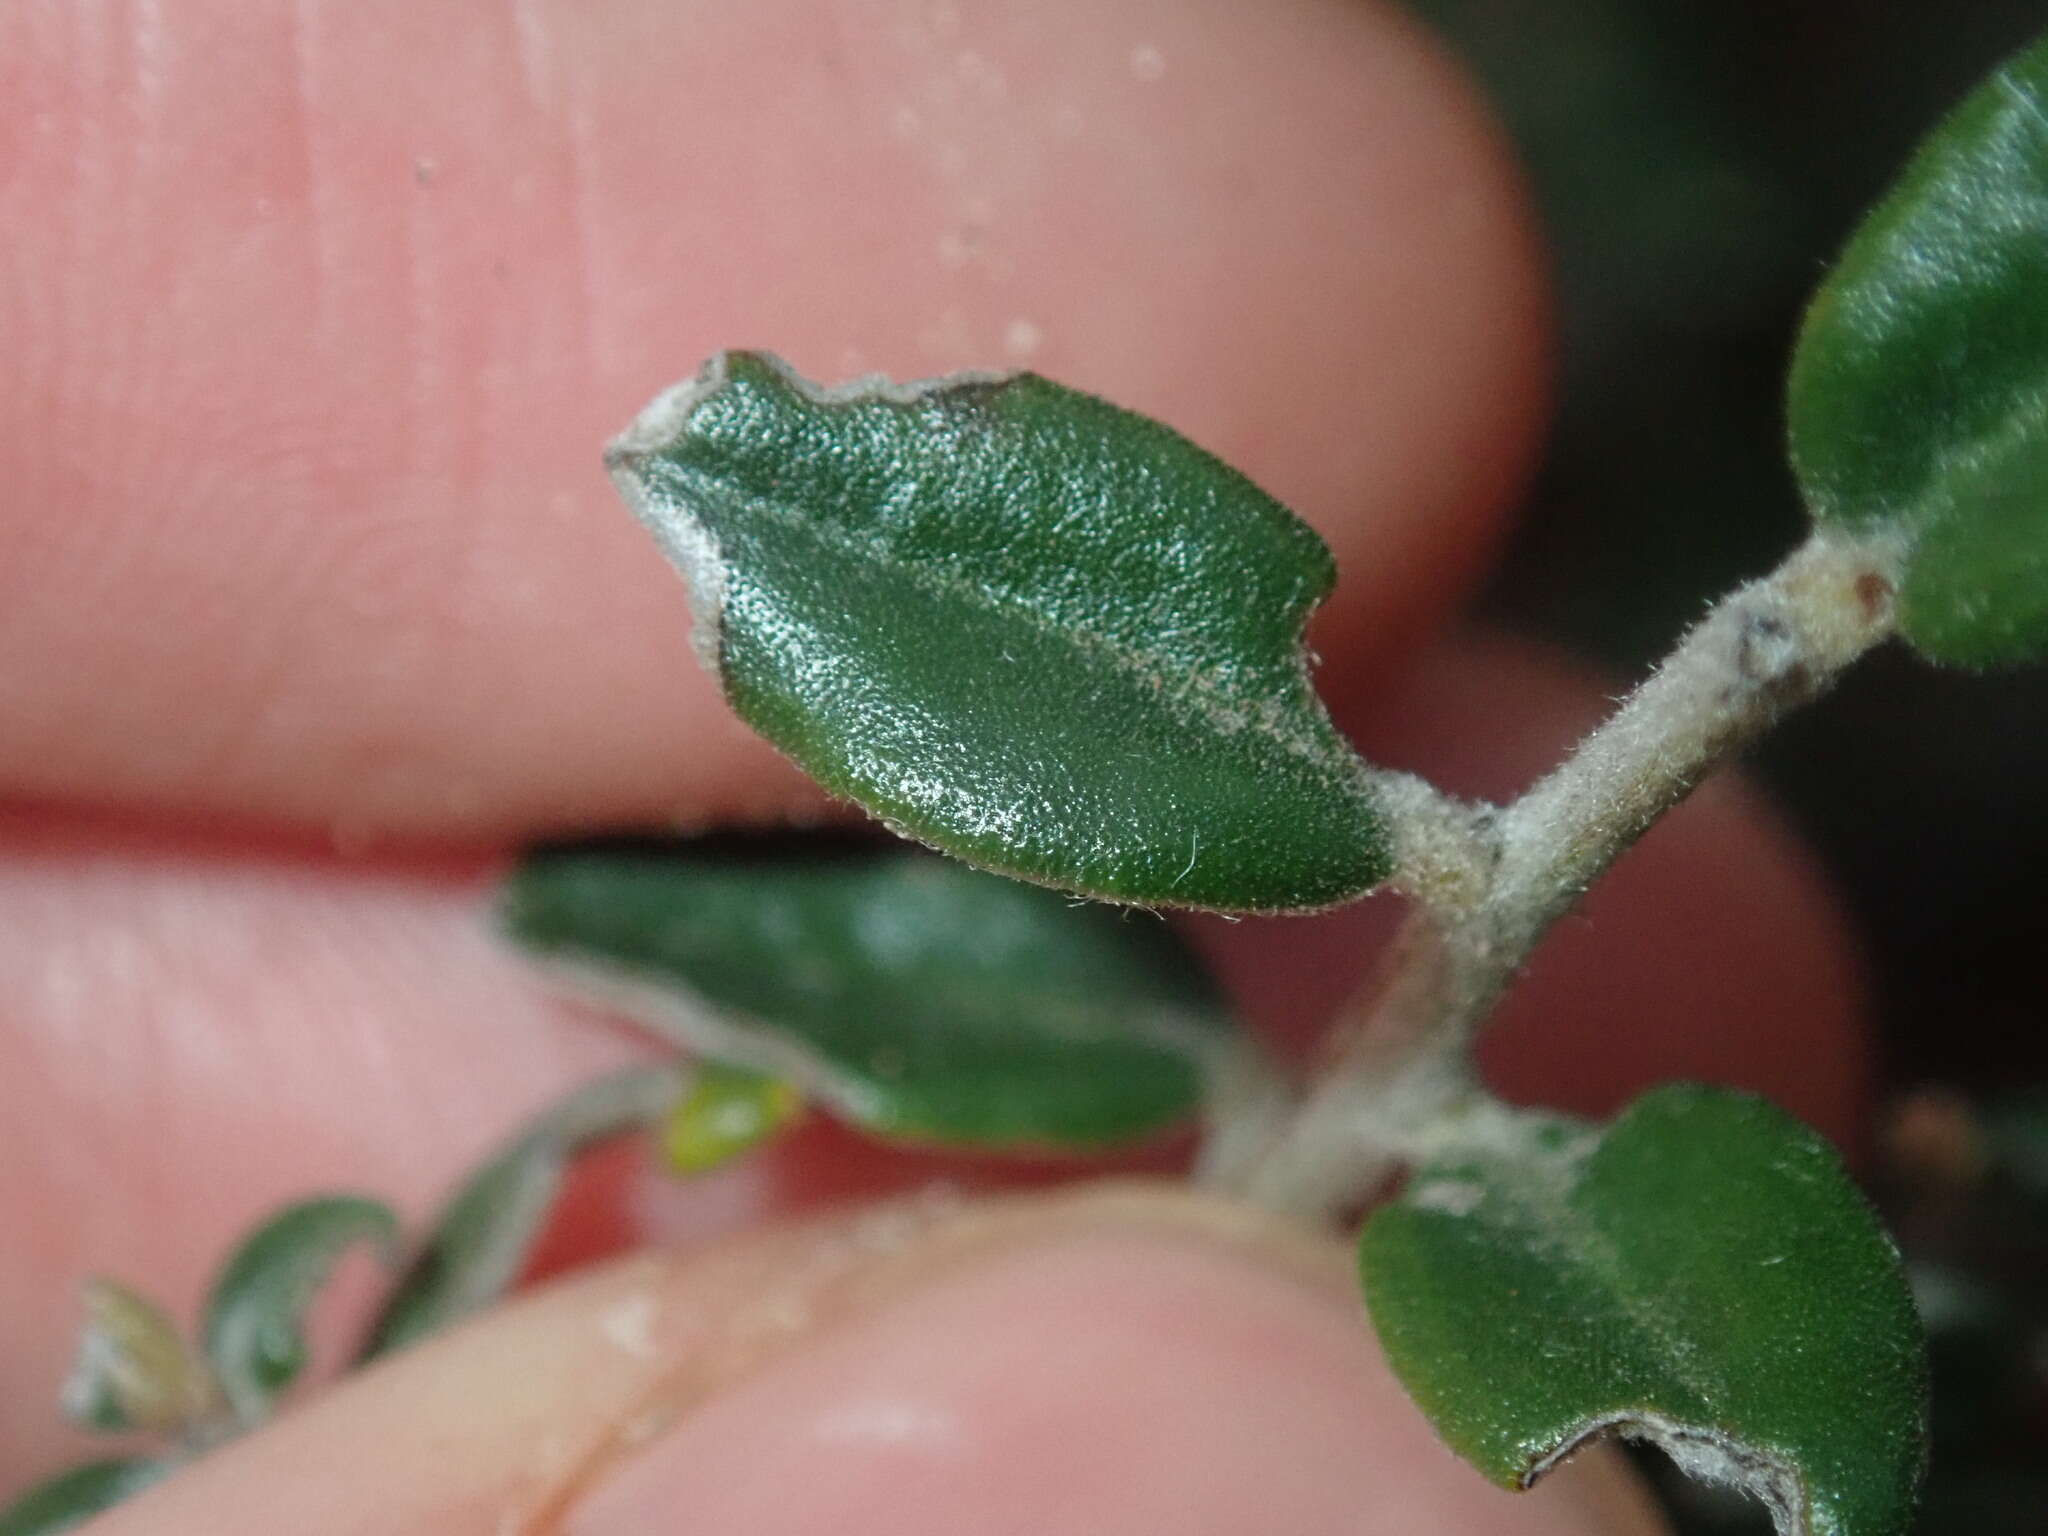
{"x": 1401, "y": 1063}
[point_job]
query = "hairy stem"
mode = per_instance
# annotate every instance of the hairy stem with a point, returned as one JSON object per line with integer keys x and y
{"x": 1402, "y": 1053}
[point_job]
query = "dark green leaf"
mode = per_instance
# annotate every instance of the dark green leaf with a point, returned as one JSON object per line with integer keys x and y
{"x": 134, "y": 1370}
{"x": 71, "y": 1498}
{"x": 919, "y": 998}
{"x": 255, "y": 1317}
{"x": 1702, "y": 1274}
{"x": 481, "y": 1240}
{"x": 1041, "y": 633}
{"x": 1919, "y": 393}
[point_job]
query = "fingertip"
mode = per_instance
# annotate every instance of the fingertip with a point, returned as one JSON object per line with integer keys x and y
{"x": 1129, "y": 1380}
{"x": 358, "y": 568}
{"x": 1118, "y": 1358}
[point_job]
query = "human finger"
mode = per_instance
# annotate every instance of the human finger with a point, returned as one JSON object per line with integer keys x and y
{"x": 316, "y": 317}
{"x": 1126, "y": 1358}
{"x": 196, "y": 1031}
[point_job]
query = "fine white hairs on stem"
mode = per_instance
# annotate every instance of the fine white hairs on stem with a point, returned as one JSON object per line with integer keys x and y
{"x": 1487, "y": 883}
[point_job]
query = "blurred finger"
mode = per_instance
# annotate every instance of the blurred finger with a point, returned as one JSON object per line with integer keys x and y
{"x": 1130, "y": 1360}
{"x": 193, "y": 1031}
{"x": 317, "y": 315}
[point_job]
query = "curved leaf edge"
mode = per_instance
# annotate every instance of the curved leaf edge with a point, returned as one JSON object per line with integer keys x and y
{"x": 1703, "y": 1454}
{"x": 1924, "y": 530}
{"x": 484, "y": 1230}
{"x": 257, "y": 1351}
{"x": 694, "y": 551}
{"x": 1848, "y": 271}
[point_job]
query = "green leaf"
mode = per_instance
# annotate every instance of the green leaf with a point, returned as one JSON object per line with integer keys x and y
{"x": 2016, "y": 1126}
{"x": 1038, "y": 632}
{"x": 1701, "y": 1274}
{"x": 255, "y": 1316}
{"x": 134, "y": 1371}
{"x": 920, "y": 999}
{"x": 1919, "y": 392}
{"x": 73, "y": 1497}
{"x": 727, "y": 1112}
{"x": 481, "y": 1240}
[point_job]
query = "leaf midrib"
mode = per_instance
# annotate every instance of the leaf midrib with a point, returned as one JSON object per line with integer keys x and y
{"x": 1577, "y": 1242}
{"x": 1311, "y": 739}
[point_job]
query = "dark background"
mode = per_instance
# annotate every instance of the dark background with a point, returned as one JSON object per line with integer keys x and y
{"x": 1697, "y": 165}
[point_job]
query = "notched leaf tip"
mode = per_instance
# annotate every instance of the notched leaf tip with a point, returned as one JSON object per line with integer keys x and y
{"x": 665, "y": 418}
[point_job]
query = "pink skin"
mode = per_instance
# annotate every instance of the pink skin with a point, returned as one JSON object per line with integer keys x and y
{"x": 1118, "y": 1361}
{"x": 314, "y": 601}
{"x": 315, "y": 313}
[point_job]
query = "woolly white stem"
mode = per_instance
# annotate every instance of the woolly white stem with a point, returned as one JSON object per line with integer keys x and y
{"x": 1403, "y": 1048}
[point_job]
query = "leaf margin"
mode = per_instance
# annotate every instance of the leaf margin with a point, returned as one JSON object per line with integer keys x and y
{"x": 695, "y": 551}
{"x": 1490, "y": 1164}
{"x": 253, "y": 1333}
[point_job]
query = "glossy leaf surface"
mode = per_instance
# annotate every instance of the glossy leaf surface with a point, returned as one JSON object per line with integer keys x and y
{"x": 482, "y": 1238}
{"x": 255, "y": 1317}
{"x": 1919, "y": 393}
{"x": 919, "y": 998}
{"x": 1701, "y": 1274}
{"x": 73, "y": 1497}
{"x": 134, "y": 1370}
{"x": 1036, "y": 631}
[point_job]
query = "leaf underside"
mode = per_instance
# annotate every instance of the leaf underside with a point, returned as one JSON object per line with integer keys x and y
{"x": 920, "y": 999}
{"x": 1038, "y": 632}
{"x": 1702, "y": 1274}
{"x": 1919, "y": 392}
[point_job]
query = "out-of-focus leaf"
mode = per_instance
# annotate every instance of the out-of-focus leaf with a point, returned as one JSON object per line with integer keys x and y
{"x": 134, "y": 1370}
{"x": 255, "y": 1317}
{"x": 1977, "y": 1342}
{"x": 481, "y": 1239}
{"x": 1702, "y": 1274}
{"x": 1041, "y": 633}
{"x": 73, "y": 1497}
{"x": 1919, "y": 392}
{"x": 2017, "y": 1127}
{"x": 920, "y": 999}
{"x": 727, "y": 1112}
